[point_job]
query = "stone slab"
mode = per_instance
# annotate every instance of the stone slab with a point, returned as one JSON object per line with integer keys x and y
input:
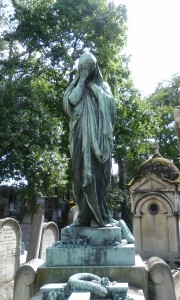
{"x": 136, "y": 275}
{"x": 52, "y": 287}
{"x": 123, "y": 255}
{"x": 96, "y": 236}
{"x": 80, "y": 296}
{"x": 118, "y": 286}
{"x": 136, "y": 297}
{"x": 38, "y": 296}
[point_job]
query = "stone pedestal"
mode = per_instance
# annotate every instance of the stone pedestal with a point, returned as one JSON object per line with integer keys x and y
{"x": 91, "y": 235}
{"x": 90, "y": 247}
{"x": 136, "y": 275}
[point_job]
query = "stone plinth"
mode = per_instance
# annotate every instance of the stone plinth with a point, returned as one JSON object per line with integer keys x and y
{"x": 123, "y": 254}
{"x": 136, "y": 275}
{"x": 90, "y": 247}
{"x": 94, "y": 236}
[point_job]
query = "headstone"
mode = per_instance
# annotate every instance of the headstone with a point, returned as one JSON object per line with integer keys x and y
{"x": 10, "y": 249}
{"x": 50, "y": 235}
{"x": 72, "y": 215}
{"x": 25, "y": 280}
{"x": 161, "y": 284}
{"x": 26, "y": 232}
{"x": 26, "y": 229}
{"x": 35, "y": 237}
{"x": 27, "y": 219}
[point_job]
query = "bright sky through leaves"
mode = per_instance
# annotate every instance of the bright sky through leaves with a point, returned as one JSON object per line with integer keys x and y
{"x": 153, "y": 41}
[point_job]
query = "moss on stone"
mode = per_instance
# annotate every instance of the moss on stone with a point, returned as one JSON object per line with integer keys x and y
{"x": 162, "y": 167}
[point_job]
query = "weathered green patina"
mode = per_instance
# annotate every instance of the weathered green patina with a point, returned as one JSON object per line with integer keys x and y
{"x": 91, "y": 107}
{"x": 99, "y": 287}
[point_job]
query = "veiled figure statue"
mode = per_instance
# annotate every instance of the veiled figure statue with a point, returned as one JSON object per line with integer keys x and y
{"x": 91, "y": 107}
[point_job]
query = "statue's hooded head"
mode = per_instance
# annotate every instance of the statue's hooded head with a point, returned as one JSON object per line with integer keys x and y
{"x": 88, "y": 61}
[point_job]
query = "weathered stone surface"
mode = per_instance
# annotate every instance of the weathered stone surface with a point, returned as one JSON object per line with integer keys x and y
{"x": 80, "y": 295}
{"x": 10, "y": 250}
{"x": 155, "y": 217}
{"x": 10, "y": 243}
{"x": 96, "y": 236}
{"x": 161, "y": 285}
{"x": 26, "y": 232}
{"x": 136, "y": 275}
{"x": 123, "y": 254}
{"x": 118, "y": 286}
{"x": 90, "y": 246}
{"x": 25, "y": 279}
{"x": 50, "y": 234}
{"x": 35, "y": 237}
{"x": 52, "y": 287}
{"x": 72, "y": 215}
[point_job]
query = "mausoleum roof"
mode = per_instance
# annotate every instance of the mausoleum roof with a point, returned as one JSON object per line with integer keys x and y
{"x": 162, "y": 167}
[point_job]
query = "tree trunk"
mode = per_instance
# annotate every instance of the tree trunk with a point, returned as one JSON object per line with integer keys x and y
{"x": 121, "y": 174}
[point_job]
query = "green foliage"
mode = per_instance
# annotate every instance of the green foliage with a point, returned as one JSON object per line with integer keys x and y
{"x": 120, "y": 200}
{"x": 46, "y": 39}
{"x": 162, "y": 103}
{"x": 133, "y": 132}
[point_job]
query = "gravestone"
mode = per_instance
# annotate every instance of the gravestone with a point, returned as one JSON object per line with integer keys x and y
{"x": 72, "y": 215}
{"x": 50, "y": 235}
{"x": 26, "y": 232}
{"x": 35, "y": 237}
{"x": 27, "y": 219}
{"x": 10, "y": 249}
{"x": 26, "y": 227}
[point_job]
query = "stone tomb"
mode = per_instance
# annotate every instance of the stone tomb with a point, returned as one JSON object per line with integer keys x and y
{"x": 85, "y": 246}
{"x": 10, "y": 249}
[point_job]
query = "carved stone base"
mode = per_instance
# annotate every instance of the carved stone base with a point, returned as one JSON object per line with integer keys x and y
{"x": 93, "y": 236}
{"x": 91, "y": 247}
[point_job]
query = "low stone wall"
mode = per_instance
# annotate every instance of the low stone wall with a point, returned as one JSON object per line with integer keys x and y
{"x": 155, "y": 279}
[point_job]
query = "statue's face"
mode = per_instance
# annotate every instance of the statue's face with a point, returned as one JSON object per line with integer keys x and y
{"x": 88, "y": 66}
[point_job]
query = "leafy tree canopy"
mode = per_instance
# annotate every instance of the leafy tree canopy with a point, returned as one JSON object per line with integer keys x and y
{"x": 162, "y": 103}
{"x": 46, "y": 39}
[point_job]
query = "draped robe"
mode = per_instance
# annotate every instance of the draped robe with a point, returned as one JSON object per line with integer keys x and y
{"x": 91, "y": 138}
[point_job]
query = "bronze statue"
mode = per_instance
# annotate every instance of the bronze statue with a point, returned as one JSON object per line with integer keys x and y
{"x": 91, "y": 106}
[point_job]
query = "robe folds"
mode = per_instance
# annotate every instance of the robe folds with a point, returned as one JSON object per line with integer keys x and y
{"x": 91, "y": 139}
